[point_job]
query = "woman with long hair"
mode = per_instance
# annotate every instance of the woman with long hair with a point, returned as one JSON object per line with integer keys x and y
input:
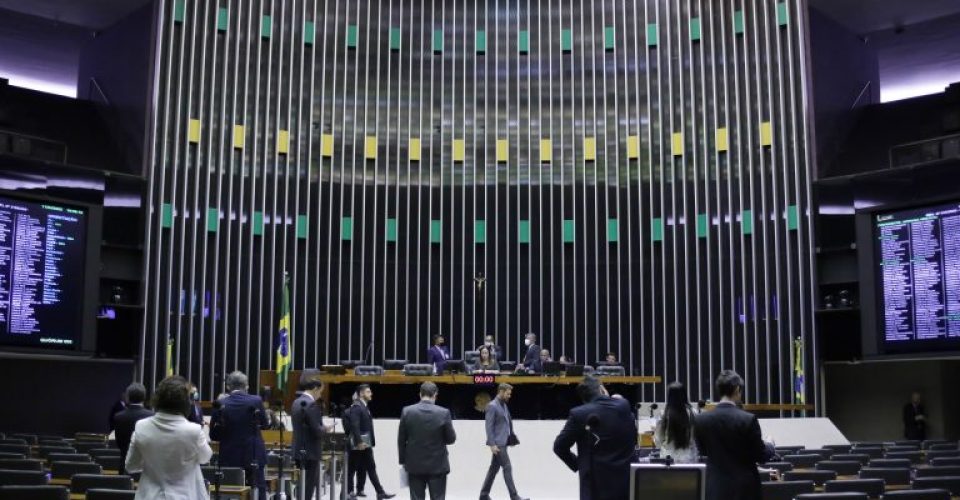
{"x": 674, "y": 432}
{"x": 485, "y": 361}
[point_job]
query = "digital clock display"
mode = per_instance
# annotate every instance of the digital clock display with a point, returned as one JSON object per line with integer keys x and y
{"x": 484, "y": 379}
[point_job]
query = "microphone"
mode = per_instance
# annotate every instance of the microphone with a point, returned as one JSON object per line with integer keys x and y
{"x": 653, "y": 408}
{"x": 701, "y": 405}
{"x": 369, "y": 353}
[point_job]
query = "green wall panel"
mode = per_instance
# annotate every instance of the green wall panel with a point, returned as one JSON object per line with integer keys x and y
{"x": 303, "y": 228}
{"x": 223, "y": 19}
{"x": 523, "y": 231}
{"x": 436, "y": 231}
{"x": 566, "y": 40}
{"x": 309, "y": 33}
{"x": 266, "y": 26}
{"x": 346, "y": 228}
{"x": 394, "y": 38}
{"x": 213, "y": 220}
{"x": 523, "y": 42}
{"x": 569, "y": 231}
{"x": 390, "y": 231}
{"x": 613, "y": 230}
{"x": 166, "y": 215}
{"x": 656, "y": 229}
{"x": 480, "y": 231}
{"x": 480, "y": 42}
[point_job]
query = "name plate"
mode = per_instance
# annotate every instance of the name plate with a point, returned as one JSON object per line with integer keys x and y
{"x": 484, "y": 379}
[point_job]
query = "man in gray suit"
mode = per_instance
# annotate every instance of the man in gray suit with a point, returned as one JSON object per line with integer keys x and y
{"x": 499, "y": 430}
{"x": 425, "y": 431}
{"x": 307, "y": 419}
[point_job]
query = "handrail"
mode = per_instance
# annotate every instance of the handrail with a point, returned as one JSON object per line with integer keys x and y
{"x": 864, "y": 89}
{"x": 93, "y": 81}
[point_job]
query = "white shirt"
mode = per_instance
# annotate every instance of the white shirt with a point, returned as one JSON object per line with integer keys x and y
{"x": 168, "y": 450}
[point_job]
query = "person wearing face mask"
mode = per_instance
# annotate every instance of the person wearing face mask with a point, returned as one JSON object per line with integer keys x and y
{"x": 531, "y": 360}
{"x": 438, "y": 355}
{"x": 195, "y": 414}
{"x": 490, "y": 343}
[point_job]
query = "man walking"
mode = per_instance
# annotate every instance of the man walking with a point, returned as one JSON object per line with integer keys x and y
{"x": 423, "y": 436}
{"x": 358, "y": 424}
{"x": 500, "y": 436}
{"x": 531, "y": 360}
{"x": 237, "y": 425}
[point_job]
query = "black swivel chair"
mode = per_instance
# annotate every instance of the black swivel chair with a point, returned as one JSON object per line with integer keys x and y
{"x": 932, "y": 494}
{"x": 80, "y": 483}
{"x": 22, "y": 477}
{"x": 802, "y": 461}
{"x": 66, "y": 470}
{"x": 846, "y": 495}
{"x": 46, "y": 492}
{"x": 892, "y": 476}
{"x": 21, "y": 464}
{"x": 819, "y": 477}
{"x": 949, "y": 483}
{"x": 938, "y": 471}
{"x": 841, "y": 467}
{"x": 105, "y": 494}
{"x": 872, "y": 487}
{"x": 855, "y": 457}
{"x": 785, "y": 490}
{"x": 69, "y": 457}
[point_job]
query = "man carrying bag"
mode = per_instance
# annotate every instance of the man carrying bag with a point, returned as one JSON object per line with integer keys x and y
{"x": 500, "y": 436}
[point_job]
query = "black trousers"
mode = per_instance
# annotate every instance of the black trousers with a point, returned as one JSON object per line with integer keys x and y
{"x": 361, "y": 464}
{"x": 436, "y": 484}
{"x": 499, "y": 461}
{"x": 309, "y": 468}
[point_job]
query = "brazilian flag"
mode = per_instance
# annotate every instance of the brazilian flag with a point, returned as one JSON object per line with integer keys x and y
{"x": 170, "y": 344}
{"x": 284, "y": 359}
{"x": 799, "y": 390}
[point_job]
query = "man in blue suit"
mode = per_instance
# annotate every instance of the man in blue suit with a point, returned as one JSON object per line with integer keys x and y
{"x": 438, "y": 355}
{"x": 236, "y": 424}
{"x": 531, "y": 360}
{"x": 605, "y": 432}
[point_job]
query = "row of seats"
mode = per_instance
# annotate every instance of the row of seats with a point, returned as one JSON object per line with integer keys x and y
{"x": 854, "y": 488}
{"x": 52, "y": 492}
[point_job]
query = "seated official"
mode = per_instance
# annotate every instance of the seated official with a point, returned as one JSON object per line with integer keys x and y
{"x": 168, "y": 449}
{"x": 490, "y": 342}
{"x": 674, "y": 432}
{"x": 544, "y": 357}
{"x": 485, "y": 362}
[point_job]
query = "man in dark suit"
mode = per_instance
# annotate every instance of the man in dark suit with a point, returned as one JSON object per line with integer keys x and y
{"x": 424, "y": 433}
{"x": 307, "y": 420}
{"x": 358, "y": 424}
{"x": 730, "y": 438}
{"x": 605, "y": 432}
{"x": 126, "y": 420}
{"x": 531, "y": 360}
{"x": 438, "y": 354}
{"x": 499, "y": 427}
{"x": 236, "y": 424}
{"x": 196, "y": 414}
{"x": 914, "y": 419}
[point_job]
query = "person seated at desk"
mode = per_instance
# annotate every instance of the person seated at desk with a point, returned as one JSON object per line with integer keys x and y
{"x": 544, "y": 357}
{"x": 438, "y": 355}
{"x": 610, "y": 360}
{"x": 565, "y": 360}
{"x": 485, "y": 362}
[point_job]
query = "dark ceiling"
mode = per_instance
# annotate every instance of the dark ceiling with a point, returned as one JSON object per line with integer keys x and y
{"x": 90, "y": 14}
{"x": 868, "y": 16}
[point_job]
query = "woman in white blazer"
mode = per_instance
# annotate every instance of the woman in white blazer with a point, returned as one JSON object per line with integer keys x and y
{"x": 167, "y": 449}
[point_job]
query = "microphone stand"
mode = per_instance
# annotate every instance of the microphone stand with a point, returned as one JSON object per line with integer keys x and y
{"x": 218, "y": 472}
{"x": 368, "y": 354}
{"x": 254, "y": 465}
{"x": 282, "y": 495}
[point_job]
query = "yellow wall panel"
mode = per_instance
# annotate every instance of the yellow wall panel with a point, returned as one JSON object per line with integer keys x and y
{"x": 193, "y": 131}
{"x": 370, "y": 147}
{"x": 723, "y": 139}
{"x": 414, "y": 148}
{"x": 326, "y": 145}
{"x": 239, "y": 134}
{"x": 503, "y": 150}
{"x": 590, "y": 148}
{"x": 677, "y": 144}
{"x": 283, "y": 142}
{"x": 766, "y": 134}
{"x": 633, "y": 147}
{"x": 459, "y": 150}
{"x": 546, "y": 150}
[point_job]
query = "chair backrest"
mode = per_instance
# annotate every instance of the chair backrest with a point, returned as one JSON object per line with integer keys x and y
{"x": 841, "y": 467}
{"x": 21, "y": 449}
{"x": 915, "y": 457}
{"x": 232, "y": 476}
{"x": 4, "y": 454}
{"x": 802, "y": 461}
{"x": 29, "y": 438}
{"x": 949, "y": 483}
{"x": 871, "y": 452}
{"x": 890, "y": 462}
{"x": 868, "y": 444}
{"x": 786, "y": 490}
{"x": 55, "y": 442}
{"x": 938, "y": 471}
{"x": 69, "y": 457}
{"x": 45, "y": 451}
{"x": 110, "y": 462}
{"x": 855, "y": 457}
{"x": 788, "y": 450}
{"x": 80, "y": 483}
{"x": 100, "y": 452}
{"x": 90, "y": 436}
{"x": 838, "y": 448}
{"x": 46, "y": 492}
{"x": 66, "y": 470}
{"x": 22, "y": 477}
{"x": 903, "y": 447}
{"x": 938, "y": 461}
{"x": 779, "y": 466}
{"x": 932, "y": 454}
{"x": 824, "y": 453}
{"x": 105, "y": 494}
{"x": 929, "y": 494}
{"x": 845, "y": 495}
{"x": 872, "y": 487}
{"x": 898, "y": 476}
{"x": 819, "y": 477}
{"x": 21, "y": 464}
{"x": 87, "y": 446}
{"x": 948, "y": 445}
{"x": 12, "y": 441}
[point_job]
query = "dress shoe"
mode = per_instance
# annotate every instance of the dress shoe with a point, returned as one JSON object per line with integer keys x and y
{"x": 385, "y": 495}
{"x": 361, "y": 494}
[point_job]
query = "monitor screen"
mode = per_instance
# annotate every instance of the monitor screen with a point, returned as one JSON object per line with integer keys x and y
{"x": 676, "y": 482}
{"x": 42, "y": 263}
{"x": 917, "y": 266}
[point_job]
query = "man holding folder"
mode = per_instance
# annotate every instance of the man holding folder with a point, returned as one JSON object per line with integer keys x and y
{"x": 358, "y": 424}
